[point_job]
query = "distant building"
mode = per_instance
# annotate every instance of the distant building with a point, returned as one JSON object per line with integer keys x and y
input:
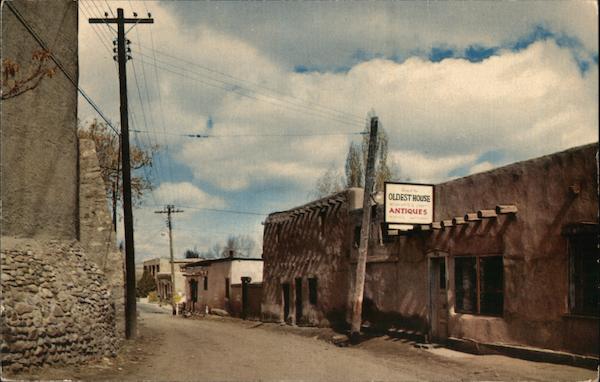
{"x": 208, "y": 283}
{"x": 160, "y": 269}
{"x": 520, "y": 277}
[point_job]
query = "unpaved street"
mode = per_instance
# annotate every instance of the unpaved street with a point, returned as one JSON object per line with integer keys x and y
{"x": 207, "y": 349}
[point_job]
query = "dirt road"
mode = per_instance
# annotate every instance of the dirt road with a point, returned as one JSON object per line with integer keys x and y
{"x": 178, "y": 349}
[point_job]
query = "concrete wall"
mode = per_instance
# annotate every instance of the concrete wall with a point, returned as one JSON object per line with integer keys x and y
{"x": 38, "y": 128}
{"x": 97, "y": 236}
{"x": 246, "y": 268}
{"x": 313, "y": 240}
{"x": 535, "y": 254}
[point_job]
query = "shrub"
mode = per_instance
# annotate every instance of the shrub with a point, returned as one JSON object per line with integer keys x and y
{"x": 146, "y": 285}
{"x": 152, "y": 297}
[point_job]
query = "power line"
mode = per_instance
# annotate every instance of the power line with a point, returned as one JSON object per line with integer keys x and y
{"x": 224, "y": 211}
{"x": 154, "y": 51}
{"x": 58, "y": 63}
{"x": 237, "y": 89}
{"x": 194, "y": 135}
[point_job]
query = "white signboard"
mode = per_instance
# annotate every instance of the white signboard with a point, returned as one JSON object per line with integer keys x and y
{"x": 408, "y": 203}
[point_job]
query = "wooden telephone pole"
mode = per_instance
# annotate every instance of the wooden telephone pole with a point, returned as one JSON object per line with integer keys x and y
{"x": 122, "y": 56}
{"x": 170, "y": 209}
{"x": 361, "y": 263}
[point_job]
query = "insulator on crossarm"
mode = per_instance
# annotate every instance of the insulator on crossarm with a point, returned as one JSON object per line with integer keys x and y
{"x": 129, "y": 57}
{"x": 134, "y": 14}
{"x": 114, "y": 58}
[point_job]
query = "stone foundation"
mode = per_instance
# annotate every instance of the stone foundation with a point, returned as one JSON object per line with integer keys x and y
{"x": 56, "y": 308}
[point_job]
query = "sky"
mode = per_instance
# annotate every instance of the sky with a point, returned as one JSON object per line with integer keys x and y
{"x": 277, "y": 91}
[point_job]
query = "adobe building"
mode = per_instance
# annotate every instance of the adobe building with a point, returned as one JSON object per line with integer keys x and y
{"x": 208, "y": 283}
{"x": 509, "y": 264}
{"x": 160, "y": 269}
{"x": 306, "y": 251}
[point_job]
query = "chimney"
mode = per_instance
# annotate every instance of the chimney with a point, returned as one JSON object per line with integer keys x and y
{"x": 231, "y": 252}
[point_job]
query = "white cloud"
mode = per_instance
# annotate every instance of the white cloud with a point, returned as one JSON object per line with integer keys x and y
{"x": 481, "y": 167}
{"x": 422, "y": 168}
{"x": 185, "y": 193}
{"x": 439, "y": 116}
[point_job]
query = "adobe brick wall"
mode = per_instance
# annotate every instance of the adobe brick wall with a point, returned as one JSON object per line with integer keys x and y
{"x": 38, "y": 128}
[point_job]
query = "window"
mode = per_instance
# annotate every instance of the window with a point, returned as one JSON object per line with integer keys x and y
{"x": 442, "y": 280}
{"x": 206, "y": 283}
{"x": 584, "y": 278}
{"x": 312, "y": 290}
{"x": 479, "y": 284}
{"x": 322, "y": 218}
{"x": 226, "y": 287}
{"x": 357, "y": 236}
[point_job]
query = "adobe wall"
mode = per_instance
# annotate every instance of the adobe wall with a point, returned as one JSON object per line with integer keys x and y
{"x": 535, "y": 254}
{"x": 97, "y": 236}
{"x": 38, "y": 128}
{"x": 254, "y": 300}
{"x": 297, "y": 245}
{"x": 395, "y": 291}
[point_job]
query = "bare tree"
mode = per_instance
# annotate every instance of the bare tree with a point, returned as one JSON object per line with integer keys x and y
{"x": 16, "y": 81}
{"x": 109, "y": 158}
{"x": 241, "y": 245}
{"x": 354, "y": 167}
{"x": 330, "y": 182}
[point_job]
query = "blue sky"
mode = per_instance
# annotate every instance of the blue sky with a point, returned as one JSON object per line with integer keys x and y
{"x": 283, "y": 88}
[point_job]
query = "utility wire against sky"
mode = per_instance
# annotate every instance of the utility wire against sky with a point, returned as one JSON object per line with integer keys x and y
{"x": 197, "y": 135}
{"x": 253, "y": 84}
{"x": 249, "y": 93}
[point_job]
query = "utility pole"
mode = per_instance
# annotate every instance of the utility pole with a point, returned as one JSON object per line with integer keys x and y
{"x": 130, "y": 303}
{"x": 361, "y": 263}
{"x": 170, "y": 209}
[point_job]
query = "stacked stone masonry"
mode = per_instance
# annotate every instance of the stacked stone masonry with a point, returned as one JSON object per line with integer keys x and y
{"x": 56, "y": 308}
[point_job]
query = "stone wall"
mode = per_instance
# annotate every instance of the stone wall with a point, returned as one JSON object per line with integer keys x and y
{"x": 97, "y": 236}
{"x": 38, "y": 128}
{"x": 56, "y": 308}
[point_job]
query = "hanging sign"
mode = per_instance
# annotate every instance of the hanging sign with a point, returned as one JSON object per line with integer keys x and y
{"x": 408, "y": 203}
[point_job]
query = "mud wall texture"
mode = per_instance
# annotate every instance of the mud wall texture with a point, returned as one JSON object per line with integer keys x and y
{"x": 309, "y": 242}
{"x": 395, "y": 291}
{"x": 38, "y": 128}
{"x": 97, "y": 236}
{"x": 56, "y": 308}
{"x": 550, "y": 192}
{"x": 254, "y": 301}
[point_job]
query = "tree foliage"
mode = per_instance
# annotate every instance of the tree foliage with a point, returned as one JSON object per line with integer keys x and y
{"x": 109, "y": 158}
{"x": 17, "y": 80}
{"x": 354, "y": 171}
{"x": 146, "y": 285}
{"x": 191, "y": 254}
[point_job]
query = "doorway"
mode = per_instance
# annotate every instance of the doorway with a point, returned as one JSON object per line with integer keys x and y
{"x": 285, "y": 287}
{"x": 438, "y": 298}
{"x": 298, "y": 300}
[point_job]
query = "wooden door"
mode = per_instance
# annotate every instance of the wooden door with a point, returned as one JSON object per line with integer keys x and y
{"x": 438, "y": 297}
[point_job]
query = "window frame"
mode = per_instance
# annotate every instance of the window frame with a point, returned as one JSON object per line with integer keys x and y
{"x": 478, "y": 284}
